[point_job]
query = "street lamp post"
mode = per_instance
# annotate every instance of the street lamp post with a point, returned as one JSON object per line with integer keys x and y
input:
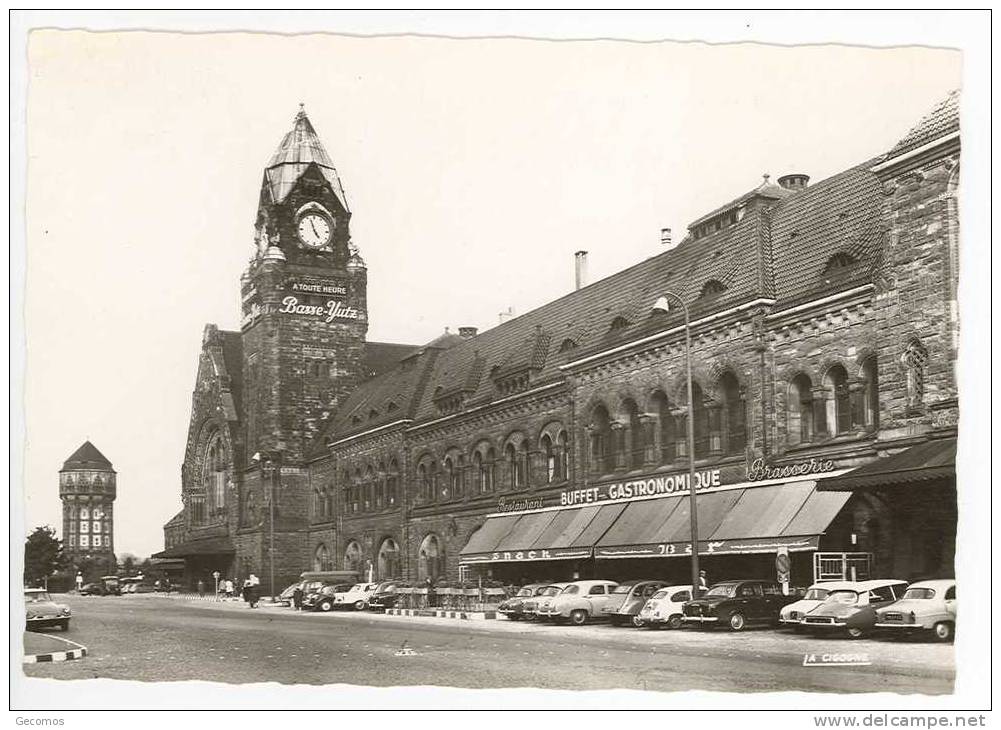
{"x": 274, "y": 459}
{"x": 662, "y": 305}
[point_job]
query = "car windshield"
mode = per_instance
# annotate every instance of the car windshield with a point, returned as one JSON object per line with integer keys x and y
{"x": 919, "y": 594}
{"x": 847, "y": 597}
{"x": 660, "y": 594}
{"x": 569, "y": 590}
{"x": 39, "y": 597}
{"x": 524, "y": 592}
{"x": 328, "y": 590}
{"x": 358, "y": 587}
{"x": 723, "y": 590}
{"x": 549, "y": 591}
{"x": 622, "y": 589}
{"x": 816, "y": 594}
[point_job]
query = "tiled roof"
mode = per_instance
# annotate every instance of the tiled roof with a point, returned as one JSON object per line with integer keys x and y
{"x": 87, "y": 457}
{"x": 298, "y": 149}
{"x": 176, "y": 520}
{"x": 765, "y": 190}
{"x": 382, "y": 356}
{"x": 940, "y": 121}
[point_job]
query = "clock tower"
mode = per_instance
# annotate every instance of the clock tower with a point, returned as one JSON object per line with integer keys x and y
{"x": 304, "y": 313}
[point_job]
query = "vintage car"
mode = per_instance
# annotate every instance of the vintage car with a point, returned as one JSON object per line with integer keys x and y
{"x": 664, "y": 608}
{"x": 579, "y": 602}
{"x": 737, "y": 603}
{"x": 355, "y": 597}
{"x": 531, "y": 607}
{"x": 322, "y": 598}
{"x": 791, "y": 615}
{"x": 928, "y": 605}
{"x": 96, "y": 588}
{"x": 514, "y": 607}
{"x": 41, "y": 611}
{"x": 851, "y": 609}
{"x": 628, "y": 600}
{"x": 384, "y": 596}
{"x": 285, "y": 597}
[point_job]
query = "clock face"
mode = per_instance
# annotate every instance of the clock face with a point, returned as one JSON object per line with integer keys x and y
{"x": 314, "y": 230}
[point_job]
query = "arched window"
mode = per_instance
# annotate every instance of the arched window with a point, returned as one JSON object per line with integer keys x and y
{"x": 321, "y": 558}
{"x": 392, "y": 483}
{"x": 431, "y": 558}
{"x": 549, "y": 459}
{"x": 515, "y": 458}
{"x": 870, "y": 394}
{"x": 388, "y": 559}
{"x": 369, "y": 489}
{"x": 839, "y": 411}
{"x": 562, "y": 456}
{"x": 215, "y": 474}
{"x": 712, "y": 288}
{"x": 839, "y": 262}
{"x": 602, "y": 446}
{"x": 318, "y": 505}
{"x": 915, "y": 360}
{"x": 701, "y": 412}
{"x": 426, "y": 489}
{"x": 460, "y": 481}
{"x": 799, "y": 410}
{"x": 353, "y": 557}
{"x": 734, "y": 416}
{"x": 666, "y": 428}
{"x": 450, "y": 483}
{"x": 619, "y": 324}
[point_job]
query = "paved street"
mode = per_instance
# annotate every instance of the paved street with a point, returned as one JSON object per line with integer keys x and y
{"x": 160, "y": 639}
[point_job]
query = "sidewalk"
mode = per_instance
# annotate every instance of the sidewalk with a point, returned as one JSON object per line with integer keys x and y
{"x": 39, "y": 647}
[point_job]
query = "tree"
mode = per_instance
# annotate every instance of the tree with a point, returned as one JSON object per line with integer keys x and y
{"x": 128, "y": 563}
{"x": 43, "y": 555}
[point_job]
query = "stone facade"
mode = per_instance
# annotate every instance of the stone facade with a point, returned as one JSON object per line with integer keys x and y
{"x": 823, "y": 329}
{"x": 87, "y": 488}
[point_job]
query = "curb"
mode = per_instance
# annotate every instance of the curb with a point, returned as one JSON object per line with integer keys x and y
{"x": 464, "y": 615}
{"x": 57, "y": 656}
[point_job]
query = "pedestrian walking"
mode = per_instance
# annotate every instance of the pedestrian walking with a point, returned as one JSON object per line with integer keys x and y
{"x": 228, "y": 588}
{"x": 432, "y": 598}
{"x": 79, "y": 581}
{"x": 703, "y": 582}
{"x": 201, "y": 589}
{"x": 297, "y": 597}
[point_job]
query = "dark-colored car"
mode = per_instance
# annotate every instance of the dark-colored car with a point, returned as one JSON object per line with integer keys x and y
{"x": 627, "y": 601}
{"x": 384, "y": 596}
{"x": 322, "y": 599}
{"x": 514, "y": 607}
{"x": 93, "y": 589}
{"x": 737, "y": 603}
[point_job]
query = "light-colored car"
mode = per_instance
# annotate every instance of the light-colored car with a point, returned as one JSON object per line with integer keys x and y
{"x": 851, "y": 609}
{"x": 928, "y": 605}
{"x": 664, "y": 608}
{"x": 531, "y": 607}
{"x": 815, "y": 595}
{"x": 579, "y": 602}
{"x": 357, "y": 597}
{"x": 628, "y": 600}
{"x": 41, "y": 611}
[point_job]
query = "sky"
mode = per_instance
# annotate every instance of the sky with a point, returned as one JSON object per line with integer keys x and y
{"x": 473, "y": 169}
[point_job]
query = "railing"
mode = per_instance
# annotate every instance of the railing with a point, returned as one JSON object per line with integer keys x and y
{"x": 450, "y": 599}
{"x": 841, "y": 566}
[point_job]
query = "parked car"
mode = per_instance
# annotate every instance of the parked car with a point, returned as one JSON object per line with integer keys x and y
{"x": 792, "y": 614}
{"x": 851, "y": 609}
{"x": 928, "y": 605}
{"x": 285, "y": 597}
{"x": 384, "y": 596}
{"x": 737, "y": 603}
{"x": 322, "y": 599}
{"x": 628, "y": 599}
{"x": 355, "y": 597}
{"x": 514, "y": 607}
{"x": 93, "y": 589}
{"x": 41, "y": 611}
{"x": 579, "y": 602}
{"x": 664, "y": 608}
{"x": 543, "y": 596}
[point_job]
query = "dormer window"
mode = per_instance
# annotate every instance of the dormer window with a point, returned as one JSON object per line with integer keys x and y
{"x": 373, "y": 414}
{"x": 712, "y": 288}
{"x": 391, "y": 407}
{"x": 839, "y": 262}
{"x": 619, "y": 324}
{"x": 567, "y": 345}
{"x": 355, "y": 420}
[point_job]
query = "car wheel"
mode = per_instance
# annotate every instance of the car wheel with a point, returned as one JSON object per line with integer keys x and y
{"x": 326, "y": 606}
{"x": 65, "y": 625}
{"x": 674, "y": 622}
{"x": 737, "y": 621}
{"x": 854, "y": 632}
{"x": 514, "y": 617}
{"x": 615, "y": 620}
{"x": 798, "y": 629}
{"x": 942, "y": 631}
{"x": 578, "y": 617}
{"x": 637, "y": 621}
{"x": 359, "y": 605}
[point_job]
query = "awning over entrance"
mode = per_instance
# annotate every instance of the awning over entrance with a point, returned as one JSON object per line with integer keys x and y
{"x": 221, "y": 545}
{"x": 748, "y": 520}
{"x": 927, "y": 462}
{"x": 550, "y": 535}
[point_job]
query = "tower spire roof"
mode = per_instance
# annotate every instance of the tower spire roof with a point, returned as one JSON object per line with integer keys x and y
{"x": 87, "y": 457}
{"x": 299, "y": 148}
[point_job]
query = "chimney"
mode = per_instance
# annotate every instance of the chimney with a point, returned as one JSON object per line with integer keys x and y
{"x": 506, "y": 315}
{"x": 665, "y": 237}
{"x": 794, "y": 181}
{"x": 580, "y": 269}
{"x": 467, "y": 332}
